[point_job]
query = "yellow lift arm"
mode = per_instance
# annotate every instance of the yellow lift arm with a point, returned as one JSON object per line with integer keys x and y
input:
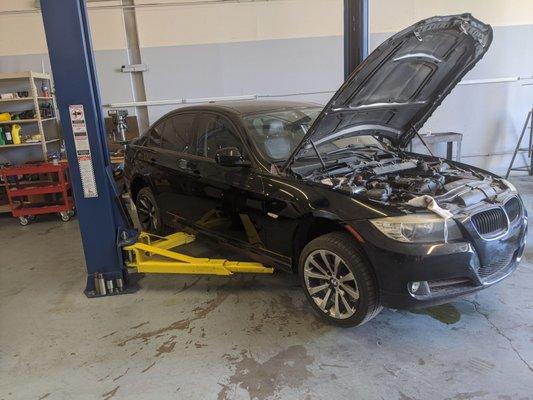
{"x": 154, "y": 254}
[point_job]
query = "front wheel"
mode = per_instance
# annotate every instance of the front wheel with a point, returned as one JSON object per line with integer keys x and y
{"x": 338, "y": 281}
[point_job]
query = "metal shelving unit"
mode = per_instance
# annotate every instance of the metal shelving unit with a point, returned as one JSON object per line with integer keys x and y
{"x": 47, "y": 128}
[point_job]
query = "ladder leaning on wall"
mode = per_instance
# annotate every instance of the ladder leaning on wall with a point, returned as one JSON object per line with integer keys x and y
{"x": 527, "y": 168}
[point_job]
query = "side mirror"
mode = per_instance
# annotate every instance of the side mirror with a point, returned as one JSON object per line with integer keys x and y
{"x": 230, "y": 157}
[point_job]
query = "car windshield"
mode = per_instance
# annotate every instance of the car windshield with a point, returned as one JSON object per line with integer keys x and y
{"x": 277, "y": 133}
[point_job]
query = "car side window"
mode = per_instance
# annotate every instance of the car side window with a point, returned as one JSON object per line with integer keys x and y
{"x": 154, "y": 135}
{"x": 216, "y": 133}
{"x": 142, "y": 141}
{"x": 176, "y": 132}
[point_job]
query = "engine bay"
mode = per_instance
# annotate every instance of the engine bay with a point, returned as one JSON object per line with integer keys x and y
{"x": 393, "y": 177}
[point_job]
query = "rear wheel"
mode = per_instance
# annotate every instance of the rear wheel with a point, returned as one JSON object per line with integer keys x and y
{"x": 338, "y": 281}
{"x": 148, "y": 212}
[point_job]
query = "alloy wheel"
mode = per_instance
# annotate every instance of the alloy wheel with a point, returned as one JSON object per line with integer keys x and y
{"x": 147, "y": 214}
{"x": 331, "y": 284}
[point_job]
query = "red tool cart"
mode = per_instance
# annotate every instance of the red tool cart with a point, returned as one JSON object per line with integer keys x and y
{"x": 49, "y": 193}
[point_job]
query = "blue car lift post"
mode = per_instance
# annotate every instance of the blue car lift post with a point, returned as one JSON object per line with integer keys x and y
{"x": 106, "y": 228}
{"x": 103, "y": 223}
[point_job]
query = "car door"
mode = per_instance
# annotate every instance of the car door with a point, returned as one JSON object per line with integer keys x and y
{"x": 227, "y": 199}
{"x": 175, "y": 174}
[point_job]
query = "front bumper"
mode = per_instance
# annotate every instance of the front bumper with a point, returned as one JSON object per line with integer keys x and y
{"x": 451, "y": 270}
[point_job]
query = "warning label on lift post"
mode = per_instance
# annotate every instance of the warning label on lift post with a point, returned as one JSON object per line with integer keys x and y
{"x": 83, "y": 150}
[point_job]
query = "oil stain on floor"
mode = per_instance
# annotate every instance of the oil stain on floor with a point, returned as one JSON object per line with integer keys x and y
{"x": 183, "y": 324}
{"x": 445, "y": 313}
{"x": 263, "y": 380}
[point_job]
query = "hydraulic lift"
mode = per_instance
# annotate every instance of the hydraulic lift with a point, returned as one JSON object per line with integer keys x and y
{"x": 153, "y": 254}
{"x": 111, "y": 245}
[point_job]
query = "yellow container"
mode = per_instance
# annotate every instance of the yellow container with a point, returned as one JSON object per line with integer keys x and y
{"x": 15, "y": 133}
{"x": 5, "y": 117}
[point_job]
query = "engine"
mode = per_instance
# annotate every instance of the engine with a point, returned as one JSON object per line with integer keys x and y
{"x": 395, "y": 178}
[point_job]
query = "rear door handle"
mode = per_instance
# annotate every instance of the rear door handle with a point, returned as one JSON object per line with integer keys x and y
{"x": 149, "y": 156}
{"x": 149, "y": 160}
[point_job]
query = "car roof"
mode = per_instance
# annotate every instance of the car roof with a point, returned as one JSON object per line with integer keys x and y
{"x": 243, "y": 107}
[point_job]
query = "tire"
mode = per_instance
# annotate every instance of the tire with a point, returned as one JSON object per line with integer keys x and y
{"x": 24, "y": 221}
{"x": 148, "y": 212}
{"x": 351, "y": 296}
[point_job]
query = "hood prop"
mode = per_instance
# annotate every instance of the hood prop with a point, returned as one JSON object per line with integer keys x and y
{"x": 319, "y": 156}
{"x": 422, "y": 140}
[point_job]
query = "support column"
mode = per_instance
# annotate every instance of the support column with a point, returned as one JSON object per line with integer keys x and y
{"x": 355, "y": 34}
{"x": 134, "y": 57}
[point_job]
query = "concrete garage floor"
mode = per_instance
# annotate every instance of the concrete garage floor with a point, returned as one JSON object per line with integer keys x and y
{"x": 253, "y": 337}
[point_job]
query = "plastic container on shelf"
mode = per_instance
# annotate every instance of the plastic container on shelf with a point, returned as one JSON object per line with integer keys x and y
{"x": 15, "y": 133}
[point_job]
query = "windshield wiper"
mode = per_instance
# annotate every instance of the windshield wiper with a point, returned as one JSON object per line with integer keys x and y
{"x": 359, "y": 150}
{"x": 324, "y": 156}
{"x": 351, "y": 147}
{"x": 345, "y": 150}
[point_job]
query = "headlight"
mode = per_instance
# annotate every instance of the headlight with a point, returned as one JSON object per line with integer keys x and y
{"x": 418, "y": 228}
{"x": 510, "y": 186}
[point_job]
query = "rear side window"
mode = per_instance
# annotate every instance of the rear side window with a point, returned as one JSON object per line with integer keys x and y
{"x": 176, "y": 132}
{"x": 142, "y": 141}
{"x": 216, "y": 133}
{"x": 154, "y": 135}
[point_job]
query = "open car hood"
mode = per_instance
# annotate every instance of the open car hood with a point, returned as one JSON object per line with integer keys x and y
{"x": 397, "y": 87}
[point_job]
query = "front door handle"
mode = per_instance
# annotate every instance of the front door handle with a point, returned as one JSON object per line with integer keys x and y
{"x": 188, "y": 166}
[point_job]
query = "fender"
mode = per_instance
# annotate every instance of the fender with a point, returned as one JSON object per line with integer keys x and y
{"x": 310, "y": 226}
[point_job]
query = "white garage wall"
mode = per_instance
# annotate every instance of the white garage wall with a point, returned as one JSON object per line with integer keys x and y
{"x": 394, "y": 15}
{"x": 288, "y": 47}
{"x": 200, "y": 50}
{"x": 259, "y": 48}
{"x": 221, "y": 22}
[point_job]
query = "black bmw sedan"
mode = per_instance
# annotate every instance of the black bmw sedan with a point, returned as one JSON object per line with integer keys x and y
{"x": 331, "y": 194}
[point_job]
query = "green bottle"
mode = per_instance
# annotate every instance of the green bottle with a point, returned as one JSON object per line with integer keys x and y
{"x": 2, "y": 137}
{"x": 7, "y": 135}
